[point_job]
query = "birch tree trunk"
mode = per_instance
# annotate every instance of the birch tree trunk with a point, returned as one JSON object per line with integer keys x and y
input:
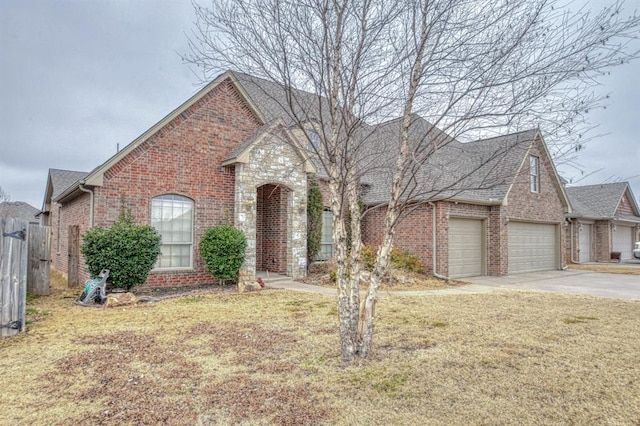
{"x": 469, "y": 68}
{"x": 366, "y": 326}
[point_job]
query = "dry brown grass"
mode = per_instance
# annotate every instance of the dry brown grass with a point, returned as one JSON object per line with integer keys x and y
{"x": 609, "y": 268}
{"x": 395, "y": 280}
{"x": 271, "y": 357}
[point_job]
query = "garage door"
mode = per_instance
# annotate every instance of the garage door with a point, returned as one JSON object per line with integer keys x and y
{"x": 584, "y": 237}
{"x": 532, "y": 247}
{"x": 466, "y": 252}
{"x": 623, "y": 241}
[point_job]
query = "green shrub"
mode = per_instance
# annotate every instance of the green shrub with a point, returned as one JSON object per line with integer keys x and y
{"x": 406, "y": 261}
{"x": 399, "y": 260}
{"x": 127, "y": 250}
{"x": 223, "y": 248}
{"x": 314, "y": 220}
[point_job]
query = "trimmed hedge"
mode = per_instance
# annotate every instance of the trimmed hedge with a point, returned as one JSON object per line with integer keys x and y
{"x": 128, "y": 250}
{"x": 223, "y": 249}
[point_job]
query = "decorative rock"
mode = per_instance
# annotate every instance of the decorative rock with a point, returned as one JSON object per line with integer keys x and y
{"x": 120, "y": 299}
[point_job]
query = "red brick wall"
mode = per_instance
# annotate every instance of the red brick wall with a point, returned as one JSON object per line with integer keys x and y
{"x": 544, "y": 206}
{"x": 413, "y": 233}
{"x": 183, "y": 158}
{"x": 271, "y": 229}
{"x": 497, "y": 242}
{"x": 75, "y": 212}
{"x": 572, "y": 234}
{"x": 602, "y": 235}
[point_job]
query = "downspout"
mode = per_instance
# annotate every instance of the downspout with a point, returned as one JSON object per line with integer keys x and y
{"x": 90, "y": 192}
{"x": 433, "y": 249}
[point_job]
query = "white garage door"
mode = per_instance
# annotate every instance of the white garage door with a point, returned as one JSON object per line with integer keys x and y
{"x": 532, "y": 247}
{"x": 623, "y": 241}
{"x": 584, "y": 238}
{"x": 466, "y": 252}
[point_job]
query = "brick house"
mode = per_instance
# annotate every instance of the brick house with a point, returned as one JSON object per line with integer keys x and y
{"x": 231, "y": 155}
{"x": 605, "y": 219}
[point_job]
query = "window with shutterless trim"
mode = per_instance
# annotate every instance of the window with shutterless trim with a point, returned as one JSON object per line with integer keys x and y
{"x": 172, "y": 217}
{"x": 534, "y": 173}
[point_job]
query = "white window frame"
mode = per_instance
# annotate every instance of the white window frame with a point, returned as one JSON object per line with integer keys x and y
{"x": 326, "y": 241}
{"x": 534, "y": 174}
{"x": 170, "y": 199}
{"x": 314, "y": 140}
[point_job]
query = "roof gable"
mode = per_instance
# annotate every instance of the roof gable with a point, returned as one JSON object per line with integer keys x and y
{"x": 241, "y": 153}
{"x": 548, "y": 160}
{"x": 95, "y": 177}
{"x": 58, "y": 181}
{"x": 603, "y": 201}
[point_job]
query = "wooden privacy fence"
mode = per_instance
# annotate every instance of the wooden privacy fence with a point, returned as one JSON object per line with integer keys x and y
{"x": 24, "y": 265}
{"x": 38, "y": 264}
{"x": 13, "y": 275}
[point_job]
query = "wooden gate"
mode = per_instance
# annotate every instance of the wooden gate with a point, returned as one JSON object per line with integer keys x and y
{"x": 39, "y": 260}
{"x": 73, "y": 266}
{"x": 13, "y": 275}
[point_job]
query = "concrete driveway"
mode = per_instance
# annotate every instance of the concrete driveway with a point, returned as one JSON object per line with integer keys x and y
{"x": 617, "y": 286}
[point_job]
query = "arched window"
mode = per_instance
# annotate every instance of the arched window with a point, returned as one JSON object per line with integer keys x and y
{"x": 172, "y": 216}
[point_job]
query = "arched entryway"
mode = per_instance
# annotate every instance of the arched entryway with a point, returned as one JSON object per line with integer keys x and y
{"x": 272, "y": 215}
{"x": 271, "y": 203}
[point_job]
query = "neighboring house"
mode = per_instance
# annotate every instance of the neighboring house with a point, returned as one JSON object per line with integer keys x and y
{"x": 231, "y": 154}
{"x": 605, "y": 219}
{"x": 20, "y": 210}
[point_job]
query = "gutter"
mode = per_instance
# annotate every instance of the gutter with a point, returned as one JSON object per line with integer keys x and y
{"x": 91, "y": 201}
{"x": 433, "y": 249}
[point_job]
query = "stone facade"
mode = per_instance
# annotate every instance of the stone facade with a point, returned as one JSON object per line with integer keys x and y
{"x": 271, "y": 197}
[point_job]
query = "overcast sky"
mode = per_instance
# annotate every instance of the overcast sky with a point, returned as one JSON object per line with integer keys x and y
{"x": 79, "y": 77}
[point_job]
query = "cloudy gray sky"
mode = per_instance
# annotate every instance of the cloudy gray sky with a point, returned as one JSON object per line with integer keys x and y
{"x": 79, "y": 77}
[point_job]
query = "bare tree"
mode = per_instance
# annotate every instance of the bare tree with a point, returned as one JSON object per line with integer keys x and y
{"x": 445, "y": 70}
{"x": 4, "y": 195}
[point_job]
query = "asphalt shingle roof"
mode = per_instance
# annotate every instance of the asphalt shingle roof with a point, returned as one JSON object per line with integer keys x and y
{"x": 272, "y": 100}
{"x": 63, "y": 179}
{"x": 596, "y": 201}
{"x": 19, "y": 209}
{"x": 480, "y": 171}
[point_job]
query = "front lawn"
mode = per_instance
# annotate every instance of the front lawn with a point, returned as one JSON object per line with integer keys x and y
{"x": 271, "y": 357}
{"x": 609, "y": 268}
